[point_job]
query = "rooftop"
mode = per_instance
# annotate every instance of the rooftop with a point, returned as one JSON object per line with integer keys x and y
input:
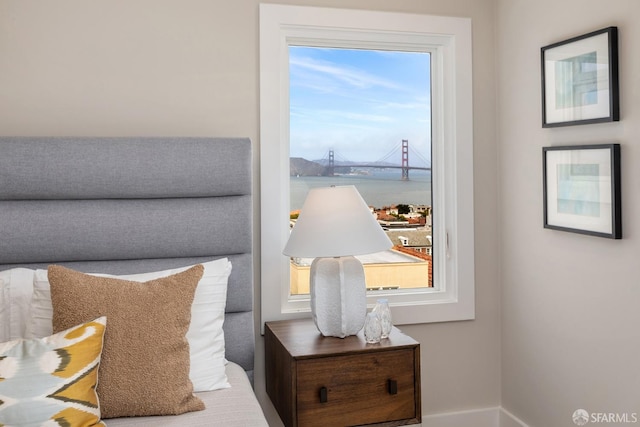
{"x": 384, "y": 257}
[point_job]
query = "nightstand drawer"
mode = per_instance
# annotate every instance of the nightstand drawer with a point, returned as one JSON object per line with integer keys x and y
{"x": 366, "y": 388}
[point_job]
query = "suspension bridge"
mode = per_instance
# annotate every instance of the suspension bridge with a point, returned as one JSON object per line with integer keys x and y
{"x": 381, "y": 163}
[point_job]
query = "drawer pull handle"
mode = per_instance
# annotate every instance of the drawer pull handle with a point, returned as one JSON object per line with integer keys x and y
{"x": 392, "y": 386}
{"x": 323, "y": 395}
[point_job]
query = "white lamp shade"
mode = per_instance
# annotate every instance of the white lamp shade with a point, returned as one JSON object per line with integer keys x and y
{"x": 333, "y": 222}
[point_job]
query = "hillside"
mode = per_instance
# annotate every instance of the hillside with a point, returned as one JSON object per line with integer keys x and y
{"x": 302, "y": 167}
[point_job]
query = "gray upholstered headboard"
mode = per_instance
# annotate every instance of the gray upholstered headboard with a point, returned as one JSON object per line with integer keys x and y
{"x": 133, "y": 205}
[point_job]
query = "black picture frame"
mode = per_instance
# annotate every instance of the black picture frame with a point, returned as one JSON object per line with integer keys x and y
{"x": 581, "y": 189}
{"x": 580, "y": 82}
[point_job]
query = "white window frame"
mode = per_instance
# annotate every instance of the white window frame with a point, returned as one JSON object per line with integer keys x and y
{"x": 448, "y": 39}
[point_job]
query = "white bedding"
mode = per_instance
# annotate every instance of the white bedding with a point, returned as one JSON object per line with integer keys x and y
{"x": 230, "y": 407}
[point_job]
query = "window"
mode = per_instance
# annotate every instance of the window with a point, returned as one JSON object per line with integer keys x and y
{"x": 362, "y": 117}
{"x": 447, "y": 41}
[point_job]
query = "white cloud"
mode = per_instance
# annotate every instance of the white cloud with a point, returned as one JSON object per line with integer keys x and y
{"x": 351, "y": 76}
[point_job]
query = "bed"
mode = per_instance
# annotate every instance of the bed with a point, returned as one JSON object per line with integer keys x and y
{"x": 125, "y": 206}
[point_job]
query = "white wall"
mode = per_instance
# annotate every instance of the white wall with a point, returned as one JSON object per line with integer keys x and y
{"x": 569, "y": 336}
{"x": 190, "y": 68}
{"x": 570, "y": 323}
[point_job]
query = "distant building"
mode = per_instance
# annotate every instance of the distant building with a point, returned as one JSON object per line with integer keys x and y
{"x": 391, "y": 269}
{"x": 395, "y": 223}
{"x": 407, "y": 265}
{"x": 421, "y": 209}
{"x": 390, "y": 218}
{"x": 417, "y": 239}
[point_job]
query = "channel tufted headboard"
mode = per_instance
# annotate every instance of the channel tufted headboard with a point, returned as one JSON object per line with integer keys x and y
{"x": 133, "y": 205}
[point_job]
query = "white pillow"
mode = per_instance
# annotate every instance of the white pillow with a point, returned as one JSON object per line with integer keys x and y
{"x": 205, "y": 334}
{"x": 16, "y": 289}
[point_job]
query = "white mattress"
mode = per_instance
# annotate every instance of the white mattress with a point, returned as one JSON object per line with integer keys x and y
{"x": 231, "y": 407}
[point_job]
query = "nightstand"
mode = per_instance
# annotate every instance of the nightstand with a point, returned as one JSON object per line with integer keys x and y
{"x": 326, "y": 381}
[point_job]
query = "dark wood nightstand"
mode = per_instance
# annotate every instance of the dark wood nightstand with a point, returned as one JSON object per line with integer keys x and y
{"x": 324, "y": 381}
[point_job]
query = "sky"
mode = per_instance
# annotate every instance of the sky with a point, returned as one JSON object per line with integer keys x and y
{"x": 360, "y": 103}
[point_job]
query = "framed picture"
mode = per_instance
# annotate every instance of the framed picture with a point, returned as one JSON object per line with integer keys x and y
{"x": 581, "y": 189}
{"x": 580, "y": 80}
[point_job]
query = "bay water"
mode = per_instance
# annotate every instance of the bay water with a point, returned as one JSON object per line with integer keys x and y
{"x": 378, "y": 189}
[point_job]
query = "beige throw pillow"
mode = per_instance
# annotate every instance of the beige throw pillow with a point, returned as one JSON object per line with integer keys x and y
{"x": 145, "y": 359}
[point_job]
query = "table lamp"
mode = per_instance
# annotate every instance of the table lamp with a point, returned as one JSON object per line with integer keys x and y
{"x": 335, "y": 224}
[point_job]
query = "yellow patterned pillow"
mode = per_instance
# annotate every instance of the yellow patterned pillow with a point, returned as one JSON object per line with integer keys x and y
{"x": 51, "y": 381}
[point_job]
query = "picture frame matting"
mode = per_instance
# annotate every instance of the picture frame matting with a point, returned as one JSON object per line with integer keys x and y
{"x": 581, "y": 189}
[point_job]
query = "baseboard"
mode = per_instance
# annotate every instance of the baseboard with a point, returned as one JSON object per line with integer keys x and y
{"x": 507, "y": 419}
{"x": 485, "y": 417}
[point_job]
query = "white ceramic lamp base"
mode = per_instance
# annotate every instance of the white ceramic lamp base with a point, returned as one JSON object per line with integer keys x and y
{"x": 338, "y": 296}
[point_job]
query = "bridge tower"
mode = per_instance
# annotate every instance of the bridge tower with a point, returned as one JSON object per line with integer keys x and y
{"x": 331, "y": 166}
{"x": 405, "y": 159}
